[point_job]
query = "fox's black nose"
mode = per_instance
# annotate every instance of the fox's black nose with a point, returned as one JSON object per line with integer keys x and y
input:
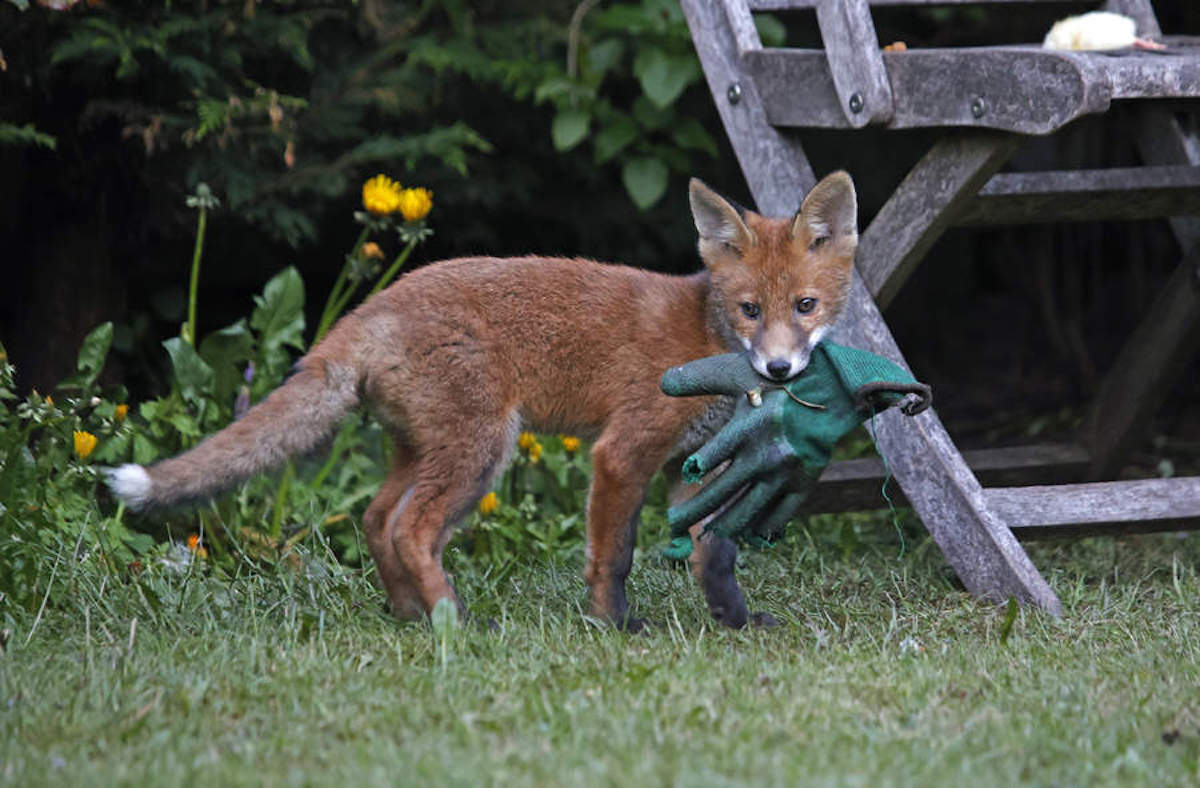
{"x": 779, "y": 369}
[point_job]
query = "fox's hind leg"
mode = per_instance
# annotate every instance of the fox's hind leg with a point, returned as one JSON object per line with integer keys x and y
{"x": 388, "y": 503}
{"x": 450, "y": 480}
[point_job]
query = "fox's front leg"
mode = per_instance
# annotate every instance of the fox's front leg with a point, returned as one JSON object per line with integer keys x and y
{"x": 621, "y": 472}
{"x": 713, "y": 561}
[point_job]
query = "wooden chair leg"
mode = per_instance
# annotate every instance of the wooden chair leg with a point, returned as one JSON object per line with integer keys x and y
{"x": 941, "y": 487}
{"x": 944, "y": 492}
{"x": 1162, "y": 348}
{"x": 925, "y": 204}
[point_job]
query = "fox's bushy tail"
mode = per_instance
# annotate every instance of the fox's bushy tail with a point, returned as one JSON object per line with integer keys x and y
{"x": 294, "y": 419}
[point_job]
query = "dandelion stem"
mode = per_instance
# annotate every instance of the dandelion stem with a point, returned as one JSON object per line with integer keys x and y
{"x": 197, "y": 252}
{"x": 280, "y": 500}
{"x": 387, "y": 276}
{"x": 332, "y": 308}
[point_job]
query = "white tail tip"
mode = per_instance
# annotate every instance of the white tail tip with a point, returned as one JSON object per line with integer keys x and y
{"x": 131, "y": 484}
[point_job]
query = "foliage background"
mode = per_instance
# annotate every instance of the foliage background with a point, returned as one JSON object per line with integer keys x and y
{"x": 549, "y": 127}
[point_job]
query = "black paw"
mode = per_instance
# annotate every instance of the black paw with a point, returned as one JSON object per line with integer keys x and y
{"x": 733, "y": 617}
{"x": 763, "y": 620}
{"x": 634, "y": 626}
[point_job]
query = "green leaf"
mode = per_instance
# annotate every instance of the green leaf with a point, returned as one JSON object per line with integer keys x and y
{"x": 144, "y": 451}
{"x": 569, "y": 128}
{"x": 645, "y": 179}
{"x": 1010, "y": 618}
{"x": 604, "y": 55}
{"x": 279, "y": 314}
{"x": 226, "y": 351}
{"x": 650, "y": 116}
{"x": 690, "y": 134}
{"x": 664, "y": 77}
{"x": 771, "y": 31}
{"x": 193, "y": 376}
{"x": 11, "y": 134}
{"x": 92, "y": 355}
{"x": 614, "y": 138}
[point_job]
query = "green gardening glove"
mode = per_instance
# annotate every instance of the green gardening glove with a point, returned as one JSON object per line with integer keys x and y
{"x": 781, "y": 435}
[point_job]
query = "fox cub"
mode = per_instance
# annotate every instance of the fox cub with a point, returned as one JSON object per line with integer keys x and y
{"x": 457, "y": 357}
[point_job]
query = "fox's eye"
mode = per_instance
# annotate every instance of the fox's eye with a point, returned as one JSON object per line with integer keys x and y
{"x": 805, "y": 305}
{"x": 817, "y": 243}
{"x": 750, "y": 309}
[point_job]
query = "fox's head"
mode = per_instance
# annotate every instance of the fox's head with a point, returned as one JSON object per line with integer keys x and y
{"x": 778, "y": 285}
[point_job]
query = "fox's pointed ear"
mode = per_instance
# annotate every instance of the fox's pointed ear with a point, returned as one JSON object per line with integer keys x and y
{"x": 718, "y": 222}
{"x": 829, "y": 214}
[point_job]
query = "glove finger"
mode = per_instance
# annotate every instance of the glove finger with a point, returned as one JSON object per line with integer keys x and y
{"x": 772, "y": 524}
{"x": 748, "y": 509}
{"x": 722, "y": 445}
{"x": 720, "y": 490}
{"x": 729, "y": 373}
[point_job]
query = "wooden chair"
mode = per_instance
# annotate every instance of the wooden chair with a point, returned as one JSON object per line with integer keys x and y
{"x": 984, "y": 99}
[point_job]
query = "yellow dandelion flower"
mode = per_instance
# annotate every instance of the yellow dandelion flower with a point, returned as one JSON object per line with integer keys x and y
{"x": 193, "y": 544}
{"x": 371, "y": 251}
{"x": 489, "y": 503}
{"x": 121, "y": 412}
{"x": 526, "y": 440}
{"x": 85, "y": 444}
{"x": 535, "y": 452}
{"x": 570, "y": 443}
{"x": 381, "y": 195}
{"x": 50, "y": 401}
{"x": 415, "y": 204}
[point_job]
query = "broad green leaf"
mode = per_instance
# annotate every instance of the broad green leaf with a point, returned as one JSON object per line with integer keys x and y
{"x": 92, "y": 355}
{"x": 193, "y": 376}
{"x": 614, "y": 138}
{"x": 604, "y": 55}
{"x": 663, "y": 77}
{"x": 144, "y": 452}
{"x": 227, "y": 351}
{"x": 569, "y": 128}
{"x": 771, "y": 31}
{"x": 645, "y": 179}
{"x": 279, "y": 314}
{"x": 650, "y": 116}
{"x": 690, "y": 134}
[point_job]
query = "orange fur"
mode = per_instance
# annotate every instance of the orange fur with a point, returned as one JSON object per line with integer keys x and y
{"x": 457, "y": 357}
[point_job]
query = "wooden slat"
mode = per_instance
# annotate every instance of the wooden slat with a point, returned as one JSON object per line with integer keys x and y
{"x": 944, "y": 493}
{"x": 1086, "y": 195}
{"x": 925, "y": 204}
{"x": 760, "y": 148}
{"x": 1160, "y": 350}
{"x": 1031, "y": 91}
{"x": 1167, "y": 340}
{"x": 855, "y": 61}
{"x": 939, "y": 484}
{"x": 1154, "y": 504}
{"x": 851, "y": 485}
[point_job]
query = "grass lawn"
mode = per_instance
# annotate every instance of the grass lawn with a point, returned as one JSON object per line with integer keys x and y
{"x": 883, "y": 673}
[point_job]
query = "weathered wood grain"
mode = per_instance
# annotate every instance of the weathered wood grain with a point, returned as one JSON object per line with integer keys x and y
{"x": 1167, "y": 340}
{"x": 761, "y": 149}
{"x": 925, "y": 204}
{"x": 1085, "y": 195}
{"x": 1168, "y": 501}
{"x": 855, "y": 62}
{"x": 1031, "y": 91}
{"x": 939, "y": 484}
{"x": 852, "y": 485}
{"x": 944, "y": 493}
{"x": 1151, "y": 361}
